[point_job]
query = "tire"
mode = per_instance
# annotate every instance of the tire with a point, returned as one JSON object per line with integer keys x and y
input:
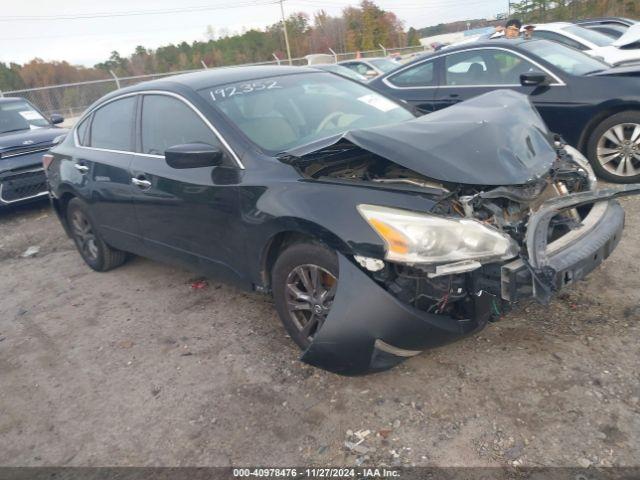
{"x": 611, "y": 158}
{"x": 298, "y": 260}
{"x": 92, "y": 248}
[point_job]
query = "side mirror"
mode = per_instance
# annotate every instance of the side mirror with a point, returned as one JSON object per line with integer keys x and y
{"x": 534, "y": 79}
{"x": 56, "y": 118}
{"x": 193, "y": 155}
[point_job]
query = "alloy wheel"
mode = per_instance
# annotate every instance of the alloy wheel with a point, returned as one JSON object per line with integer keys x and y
{"x": 84, "y": 235}
{"x": 619, "y": 150}
{"x": 310, "y": 292}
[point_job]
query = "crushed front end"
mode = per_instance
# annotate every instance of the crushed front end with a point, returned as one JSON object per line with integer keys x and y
{"x": 516, "y": 214}
{"x": 557, "y": 229}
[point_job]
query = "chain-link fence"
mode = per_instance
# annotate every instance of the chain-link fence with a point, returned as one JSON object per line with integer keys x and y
{"x": 71, "y": 99}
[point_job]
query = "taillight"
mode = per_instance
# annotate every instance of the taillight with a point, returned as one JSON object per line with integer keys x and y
{"x": 47, "y": 159}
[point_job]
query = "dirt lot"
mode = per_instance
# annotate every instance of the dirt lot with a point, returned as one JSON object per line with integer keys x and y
{"x": 134, "y": 367}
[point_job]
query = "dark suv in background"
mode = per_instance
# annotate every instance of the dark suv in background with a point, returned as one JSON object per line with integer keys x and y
{"x": 25, "y": 133}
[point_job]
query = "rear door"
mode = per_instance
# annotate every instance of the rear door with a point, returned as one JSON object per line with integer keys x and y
{"x": 101, "y": 170}
{"x": 416, "y": 85}
{"x": 185, "y": 215}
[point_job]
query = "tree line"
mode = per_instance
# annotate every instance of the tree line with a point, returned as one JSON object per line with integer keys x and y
{"x": 357, "y": 28}
{"x": 361, "y": 27}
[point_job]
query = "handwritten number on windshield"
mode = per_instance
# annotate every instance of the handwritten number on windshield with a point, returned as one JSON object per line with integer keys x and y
{"x": 242, "y": 89}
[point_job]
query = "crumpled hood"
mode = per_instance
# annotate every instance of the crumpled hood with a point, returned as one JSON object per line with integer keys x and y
{"x": 29, "y": 138}
{"x": 494, "y": 139}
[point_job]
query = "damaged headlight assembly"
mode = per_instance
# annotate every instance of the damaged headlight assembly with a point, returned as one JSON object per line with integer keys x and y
{"x": 420, "y": 238}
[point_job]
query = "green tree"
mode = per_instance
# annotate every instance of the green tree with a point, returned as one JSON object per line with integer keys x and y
{"x": 413, "y": 38}
{"x": 10, "y": 77}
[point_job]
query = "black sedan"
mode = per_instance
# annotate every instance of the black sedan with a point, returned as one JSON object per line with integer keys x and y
{"x": 595, "y": 107}
{"x": 24, "y": 134}
{"x": 378, "y": 234}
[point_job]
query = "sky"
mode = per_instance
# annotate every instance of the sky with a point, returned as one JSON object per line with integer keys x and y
{"x": 85, "y": 32}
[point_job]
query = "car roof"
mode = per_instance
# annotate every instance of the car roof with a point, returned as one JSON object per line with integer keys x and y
{"x": 221, "y": 76}
{"x": 363, "y": 59}
{"x": 605, "y": 20}
{"x": 554, "y": 26}
{"x": 483, "y": 43}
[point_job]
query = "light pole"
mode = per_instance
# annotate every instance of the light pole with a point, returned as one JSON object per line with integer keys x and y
{"x": 286, "y": 36}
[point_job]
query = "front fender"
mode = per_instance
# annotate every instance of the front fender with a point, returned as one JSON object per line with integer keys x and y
{"x": 369, "y": 330}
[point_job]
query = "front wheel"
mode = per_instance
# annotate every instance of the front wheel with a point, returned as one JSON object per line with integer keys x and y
{"x": 614, "y": 148}
{"x": 304, "y": 282}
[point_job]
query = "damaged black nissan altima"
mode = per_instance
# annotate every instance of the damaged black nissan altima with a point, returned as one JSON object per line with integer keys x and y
{"x": 379, "y": 234}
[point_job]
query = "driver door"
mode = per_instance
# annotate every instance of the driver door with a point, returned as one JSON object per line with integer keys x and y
{"x": 186, "y": 216}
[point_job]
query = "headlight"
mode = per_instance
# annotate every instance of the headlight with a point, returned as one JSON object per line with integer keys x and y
{"x": 584, "y": 163}
{"x": 413, "y": 237}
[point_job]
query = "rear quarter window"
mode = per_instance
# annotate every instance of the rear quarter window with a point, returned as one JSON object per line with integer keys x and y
{"x": 81, "y": 131}
{"x": 112, "y": 125}
{"x": 422, "y": 75}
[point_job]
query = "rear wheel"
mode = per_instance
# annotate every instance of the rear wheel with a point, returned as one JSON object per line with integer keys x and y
{"x": 614, "y": 148}
{"x": 94, "y": 251}
{"x": 304, "y": 282}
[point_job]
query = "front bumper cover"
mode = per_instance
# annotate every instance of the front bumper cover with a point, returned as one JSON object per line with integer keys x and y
{"x": 22, "y": 178}
{"x": 366, "y": 324}
{"x": 370, "y": 330}
{"x": 550, "y": 267}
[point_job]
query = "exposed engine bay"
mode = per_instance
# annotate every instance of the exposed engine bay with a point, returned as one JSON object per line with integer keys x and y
{"x": 431, "y": 288}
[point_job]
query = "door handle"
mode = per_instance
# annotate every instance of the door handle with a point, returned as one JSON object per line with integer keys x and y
{"x": 81, "y": 168}
{"x": 144, "y": 184}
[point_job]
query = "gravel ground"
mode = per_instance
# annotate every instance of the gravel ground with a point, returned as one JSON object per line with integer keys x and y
{"x": 134, "y": 367}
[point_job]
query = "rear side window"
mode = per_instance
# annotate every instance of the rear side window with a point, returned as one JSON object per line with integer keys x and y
{"x": 112, "y": 125}
{"x": 422, "y": 75}
{"x": 167, "y": 121}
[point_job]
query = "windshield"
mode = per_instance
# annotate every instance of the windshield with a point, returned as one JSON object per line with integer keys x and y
{"x": 284, "y": 112}
{"x": 566, "y": 59}
{"x": 20, "y": 115}
{"x": 384, "y": 64}
{"x": 597, "y": 38}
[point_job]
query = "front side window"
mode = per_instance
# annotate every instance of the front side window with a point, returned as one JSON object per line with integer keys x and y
{"x": 485, "y": 68}
{"x": 566, "y": 59}
{"x": 422, "y": 75}
{"x": 284, "y": 112}
{"x": 112, "y": 125}
{"x": 167, "y": 122}
{"x": 19, "y": 115}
